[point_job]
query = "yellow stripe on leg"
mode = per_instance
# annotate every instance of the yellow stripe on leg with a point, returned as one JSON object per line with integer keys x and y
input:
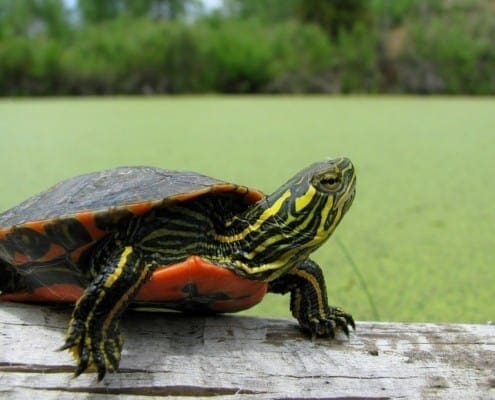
{"x": 121, "y": 303}
{"x": 316, "y": 285}
{"x": 120, "y": 267}
{"x": 108, "y": 283}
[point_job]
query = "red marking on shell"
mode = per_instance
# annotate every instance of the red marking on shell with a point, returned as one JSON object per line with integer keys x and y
{"x": 166, "y": 285}
{"x": 77, "y": 252}
{"x": 38, "y": 226}
{"x": 141, "y": 208}
{"x": 20, "y": 258}
{"x": 253, "y": 196}
{"x": 188, "y": 196}
{"x": 87, "y": 219}
{"x": 54, "y": 251}
{"x": 63, "y": 293}
{"x": 250, "y": 195}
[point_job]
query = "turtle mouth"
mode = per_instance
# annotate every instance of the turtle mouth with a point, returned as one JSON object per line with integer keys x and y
{"x": 351, "y": 194}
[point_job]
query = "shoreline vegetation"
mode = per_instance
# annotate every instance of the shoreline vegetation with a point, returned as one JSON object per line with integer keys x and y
{"x": 246, "y": 47}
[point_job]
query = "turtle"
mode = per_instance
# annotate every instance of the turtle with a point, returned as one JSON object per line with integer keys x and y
{"x": 182, "y": 240}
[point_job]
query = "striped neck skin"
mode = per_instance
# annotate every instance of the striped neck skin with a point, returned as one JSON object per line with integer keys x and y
{"x": 283, "y": 229}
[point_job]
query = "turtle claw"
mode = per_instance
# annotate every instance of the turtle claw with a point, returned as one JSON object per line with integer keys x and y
{"x": 335, "y": 320}
{"x": 82, "y": 365}
{"x": 89, "y": 352}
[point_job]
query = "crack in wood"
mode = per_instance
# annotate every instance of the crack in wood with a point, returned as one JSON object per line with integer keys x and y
{"x": 346, "y": 377}
{"x": 51, "y": 369}
{"x": 40, "y": 369}
{"x": 171, "y": 390}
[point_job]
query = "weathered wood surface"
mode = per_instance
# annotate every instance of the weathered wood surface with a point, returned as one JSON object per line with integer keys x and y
{"x": 231, "y": 357}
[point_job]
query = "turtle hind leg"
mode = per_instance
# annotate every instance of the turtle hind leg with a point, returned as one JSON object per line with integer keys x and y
{"x": 94, "y": 336}
{"x": 309, "y": 304}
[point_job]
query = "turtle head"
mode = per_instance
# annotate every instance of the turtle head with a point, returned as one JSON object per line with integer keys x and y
{"x": 317, "y": 199}
{"x": 288, "y": 225}
{"x": 285, "y": 227}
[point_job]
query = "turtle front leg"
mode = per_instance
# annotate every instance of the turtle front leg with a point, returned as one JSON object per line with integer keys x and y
{"x": 308, "y": 302}
{"x": 94, "y": 336}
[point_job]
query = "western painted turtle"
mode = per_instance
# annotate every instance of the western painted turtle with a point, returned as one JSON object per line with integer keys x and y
{"x": 184, "y": 240}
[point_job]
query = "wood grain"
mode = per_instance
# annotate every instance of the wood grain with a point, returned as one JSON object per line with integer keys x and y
{"x": 231, "y": 357}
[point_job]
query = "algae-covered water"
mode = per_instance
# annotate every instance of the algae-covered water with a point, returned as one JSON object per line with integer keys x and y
{"x": 421, "y": 230}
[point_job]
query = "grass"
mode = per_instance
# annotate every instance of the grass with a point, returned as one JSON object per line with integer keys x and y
{"x": 420, "y": 231}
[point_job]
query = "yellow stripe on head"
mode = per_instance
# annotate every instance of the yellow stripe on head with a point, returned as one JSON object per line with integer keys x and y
{"x": 303, "y": 201}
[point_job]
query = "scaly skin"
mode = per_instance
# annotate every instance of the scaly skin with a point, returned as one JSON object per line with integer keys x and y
{"x": 309, "y": 304}
{"x": 94, "y": 335}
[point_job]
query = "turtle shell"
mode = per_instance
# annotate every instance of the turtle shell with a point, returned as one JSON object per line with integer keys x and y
{"x": 56, "y": 226}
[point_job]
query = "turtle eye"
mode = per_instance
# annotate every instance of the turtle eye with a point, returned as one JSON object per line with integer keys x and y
{"x": 330, "y": 182}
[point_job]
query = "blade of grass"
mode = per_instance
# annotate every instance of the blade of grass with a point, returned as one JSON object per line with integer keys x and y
{"x": 360, "y": 277}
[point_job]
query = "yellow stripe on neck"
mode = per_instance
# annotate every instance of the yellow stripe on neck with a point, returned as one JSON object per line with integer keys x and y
{"x": 269, "y": 212}
{"x": 303, "y": 201}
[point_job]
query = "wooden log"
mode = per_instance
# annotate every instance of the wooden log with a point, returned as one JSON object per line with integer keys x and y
{"x": 231, "y": 357}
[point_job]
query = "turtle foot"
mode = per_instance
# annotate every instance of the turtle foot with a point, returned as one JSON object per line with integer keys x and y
{"x": 335, "y": 320}
{"x": 95, "y": 351}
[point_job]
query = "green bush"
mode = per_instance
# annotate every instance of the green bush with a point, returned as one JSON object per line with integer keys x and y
{"x": 104, "y": 58}
{"x": 16, "y": 61}
{"x": 393, "y": 13}
{"x": 449, "y": 55}
{"x": 230, "y": 56}
{"x": 302, "y": 59}
{"x": 438, "y": 47}
{"x": 237, "y": 55}
{"x": 248, "y": 56}
{"x": 29, "y": 66}
{"x": 357, "y": 61}
{"x": 335, "y": 16}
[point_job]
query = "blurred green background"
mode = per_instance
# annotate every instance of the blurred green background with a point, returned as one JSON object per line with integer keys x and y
{"x": 246, "y": 46}
{"x": 420, "y": 233}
